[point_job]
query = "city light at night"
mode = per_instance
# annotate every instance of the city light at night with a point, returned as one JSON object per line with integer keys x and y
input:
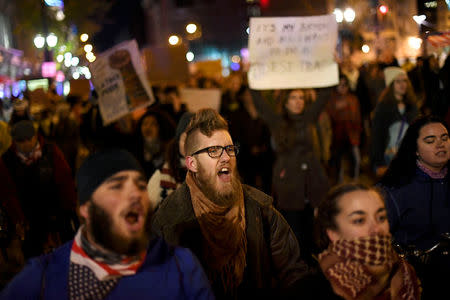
{"x": 190, "y": 56}
{"x": 84, "y": 37}
{"x": 365, "y": 48}
{"x": 174, "y": 40}
{"x": 191, "y": 28}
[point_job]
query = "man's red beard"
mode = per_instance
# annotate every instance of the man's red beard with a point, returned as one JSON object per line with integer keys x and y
{"x": 226, "y": 198}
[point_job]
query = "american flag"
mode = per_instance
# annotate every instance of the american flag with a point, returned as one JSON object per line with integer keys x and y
{"x": 439, "y": 39}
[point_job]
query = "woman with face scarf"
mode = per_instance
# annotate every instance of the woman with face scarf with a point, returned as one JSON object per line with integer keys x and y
{"x": 357, "y": 259}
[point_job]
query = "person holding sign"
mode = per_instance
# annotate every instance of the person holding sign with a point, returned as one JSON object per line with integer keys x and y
{"x": 299, "y": 180}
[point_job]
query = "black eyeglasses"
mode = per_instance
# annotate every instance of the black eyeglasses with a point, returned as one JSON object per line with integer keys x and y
{"x": 216, "y": 151}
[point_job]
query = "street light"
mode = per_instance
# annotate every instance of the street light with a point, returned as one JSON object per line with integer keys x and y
{"x": 60, "y": 15}
{"x": 90, "y": 56}
{"x": 75, "y": 61}
{"x": 39, "y": 41}
{"x": 190, "y": 56}
{"x": 191, "y": 28}
{"x": 88, "y": 48}
{"x": 339, "y": 15}
{"x": 84, "y": 37}
{"x": 349, "y": 15}
{"x": 414, "y": 42}
{"x": 419, "y": 19}
{"x": 68, "y": 56}
{"x": 174, "y": 40}
{"x": 365, "y": 48}
{"x": 383, "y": 9}
{"x": 52, "y": 40}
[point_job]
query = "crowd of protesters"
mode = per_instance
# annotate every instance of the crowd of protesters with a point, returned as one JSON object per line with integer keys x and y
{"x": 293, "y": 145}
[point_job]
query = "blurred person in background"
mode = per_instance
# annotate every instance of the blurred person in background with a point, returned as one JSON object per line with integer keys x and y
{"x": 229, "y": 101}
{"x": 395, "y": 110}
{"x": 356, "y": 257}
{"x": 417, "y": 81}
{"x": 5, "y": 137}
{"x": 172, "y": 174}
{"x": 434, "y": 102}
{"x": 417, "y": 189}
{"x": 345, "y": 116}
{"x": 173, "y": 104}
{"x": 65, "y": 132}
{"x": 299, "y": 180}
{"x": 207, "y": 83}
{"x": 21, "y": 111}
{"x": 5, "y": 110}
{"x": 38, "y": 190}
{"x": 154, "y": 130}
{"x": 253, "y": 136}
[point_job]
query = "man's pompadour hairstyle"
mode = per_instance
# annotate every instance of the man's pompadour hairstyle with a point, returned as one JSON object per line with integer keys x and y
{"x": 207, "y": 121}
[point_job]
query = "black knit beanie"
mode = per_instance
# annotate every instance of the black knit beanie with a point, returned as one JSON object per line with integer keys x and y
{"x": 183, "y": 124}
{"x": 100, "y": 166}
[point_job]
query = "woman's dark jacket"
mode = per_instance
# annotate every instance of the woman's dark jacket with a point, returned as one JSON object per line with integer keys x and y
{"x": 419, "y": 210}
{"x": 386, "y": 114}
{"x": 297, "y": 173}
{"x": 273, "y": 254}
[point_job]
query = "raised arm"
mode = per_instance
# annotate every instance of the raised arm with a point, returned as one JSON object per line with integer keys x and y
{"x": 313, "y": 111}
{"x": 264, "y": 109}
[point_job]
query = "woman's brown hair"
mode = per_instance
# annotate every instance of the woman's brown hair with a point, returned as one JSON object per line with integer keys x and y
{"x": 328, "y": 209}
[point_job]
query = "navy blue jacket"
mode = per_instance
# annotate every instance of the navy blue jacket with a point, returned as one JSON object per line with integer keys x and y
{"x": 167, "y": 273}
{"x": 419, "y": 211}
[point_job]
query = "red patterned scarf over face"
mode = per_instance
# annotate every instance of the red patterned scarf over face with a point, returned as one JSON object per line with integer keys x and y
{"x": 368, "y": 268}
{"x": 223, "y": 229}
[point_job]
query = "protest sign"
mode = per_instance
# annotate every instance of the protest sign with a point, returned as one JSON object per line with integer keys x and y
{"x": 196, "y": 99}
{"x": 80, "y": 87}
{"x": 119, "y": 79}
{"x": 209, "y": 68}
{"x": 292, "y": 52}
{"x": 166, "y": 65}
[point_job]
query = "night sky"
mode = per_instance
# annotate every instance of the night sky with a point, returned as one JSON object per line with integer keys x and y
{"x": 124, "y": 21}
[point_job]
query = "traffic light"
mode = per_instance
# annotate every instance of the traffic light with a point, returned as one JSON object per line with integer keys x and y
{"x": 383, "y": 9}
{"x": 264, "y": 3}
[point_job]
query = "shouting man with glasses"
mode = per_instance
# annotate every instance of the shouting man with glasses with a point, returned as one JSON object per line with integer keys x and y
{"x": 243, "y": 243}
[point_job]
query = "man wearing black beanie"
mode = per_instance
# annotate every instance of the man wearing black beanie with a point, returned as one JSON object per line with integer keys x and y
{"x": 112, "y": 255}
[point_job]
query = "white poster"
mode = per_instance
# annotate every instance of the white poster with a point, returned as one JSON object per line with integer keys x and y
{"x": 120, "y": 81}
{"x": 292, "y": 52}
{"x": 196, "y": 99}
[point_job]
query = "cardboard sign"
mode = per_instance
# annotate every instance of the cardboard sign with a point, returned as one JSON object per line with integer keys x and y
{"x": 196, "y": 99}
{"x": 292, "y": 52}
{"x": 166, "y": 65}
{"x": 119, "y": 78}
{"x": 80, "y": 87}
{"x": 209, "y": 68}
